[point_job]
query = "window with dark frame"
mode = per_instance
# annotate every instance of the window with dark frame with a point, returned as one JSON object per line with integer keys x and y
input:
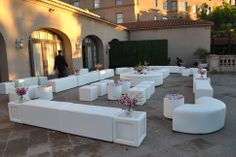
{"x": 119, "y": 17}
{"x": 96, "y": 4}
{"x": 119, "y": 2}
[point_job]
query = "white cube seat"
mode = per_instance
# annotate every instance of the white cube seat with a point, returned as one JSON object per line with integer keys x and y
{"x": 152, "y": 83}
{"x": 206, "y": 116}
{"x": 88, "y": 93}
{"x": 126, "y": 84}
{"x": 203, "y": 88}
{"x": 130, "y": 130}
{"x": 114, "y": 91}
{"x": 102, "y": 88}
{"x": 148, "y": 89}
{"x": 139, "y": 93}
{"x": 6, "y": 87}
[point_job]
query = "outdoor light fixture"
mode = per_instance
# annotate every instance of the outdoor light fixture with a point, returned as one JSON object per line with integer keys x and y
{"x": 108, "y": 48}
{"x": 51, "y": 10}
{"x": 78, "y": 45}
{"x": 19, "y": 43}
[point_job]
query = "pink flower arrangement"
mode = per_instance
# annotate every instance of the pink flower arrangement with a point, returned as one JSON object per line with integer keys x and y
{"x": 202, "y": 72}
{"x": 128, "y": 101}
{"x": 21, "y": 91}
{"x": 76, "y": 71}
{"x": 98, "y": 66}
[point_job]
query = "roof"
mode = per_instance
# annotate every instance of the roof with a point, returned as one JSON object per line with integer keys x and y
{"x": 164, "y": 24}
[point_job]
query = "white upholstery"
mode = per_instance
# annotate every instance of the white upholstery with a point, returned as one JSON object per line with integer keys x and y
{"x": 126, "y": 84}
{"x": 170, "y": 105}
{"x": 42, "y": 113}
{"x": 137, "y": 78}
{"x": 165, "y": 72}
{"x": 114, "y": 91}
{"x": 173, "y": 69}
{"x": 203, "y": 88}
{"x": 28, "y": 81}
{"x": 83, "y": 71}
{"x": 186, "y": 72}
{"x": 88, "y": 93}
{"x": 118, "y": 71}
{"x": 6, "y": 87}
{"x": 148, "y": 89}
{"x": 102, "y": 88}
{"x": 64, "y": 83}
{"x": 12, "y": 96}
{"x": 88, "y": 78}
{"x": 152, "y": 83}
{"x": 45, "y": 93}
{"x": 139, "y": 93}
{"x": 106, "y": 73}
{"x": 89, "y": 121}
{"x": 42, "y": 80}
{"x": 32, "y": 90}
{"x": 206, "y": 116}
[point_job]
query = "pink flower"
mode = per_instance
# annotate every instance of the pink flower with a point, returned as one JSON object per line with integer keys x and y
{"x": 21, "y": 91}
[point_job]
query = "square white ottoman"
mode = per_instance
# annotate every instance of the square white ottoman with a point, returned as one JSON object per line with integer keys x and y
{"x": 148, "y": 89}
{"x": 32, "y": 90}
{"x": 88, "y": 93}
{"x": 139, "y": 93}
{"x": 126, "y": 84}
{"x": 6, "y": 87}
{"x": 45, "y": 93}
{"x": 130, "y": 130}
{"x": 102, "y": 88}
{"x": 15, "y": 111}
{"x": 114, "y": 92}
{"x": 152, "y": 83}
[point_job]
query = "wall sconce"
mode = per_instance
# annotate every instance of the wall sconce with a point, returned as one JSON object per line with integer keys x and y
{"x": 108, "y": 48}
{"x": 19, "y": 43}
{"x": 78, "y": 45}
{"x": 51, "y": 10}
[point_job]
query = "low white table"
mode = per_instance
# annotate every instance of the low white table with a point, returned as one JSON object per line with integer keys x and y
{"x": 129, "y": 130}
{"x": 172, "y": 101}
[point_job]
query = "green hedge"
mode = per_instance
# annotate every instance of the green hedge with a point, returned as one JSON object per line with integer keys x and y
{"x": 131, "y": 53}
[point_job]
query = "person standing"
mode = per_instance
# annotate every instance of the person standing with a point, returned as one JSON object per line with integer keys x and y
{"x": 60, "y": 64}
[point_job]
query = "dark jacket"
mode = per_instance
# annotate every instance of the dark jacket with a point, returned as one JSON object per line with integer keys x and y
{"x": 60, "y": 62}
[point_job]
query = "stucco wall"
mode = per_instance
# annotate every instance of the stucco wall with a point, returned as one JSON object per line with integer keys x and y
{"x": 20, "y": 18}
{"x": 182, "y": 42}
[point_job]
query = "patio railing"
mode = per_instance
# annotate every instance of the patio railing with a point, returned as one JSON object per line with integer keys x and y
{"x": 222, "y": 63}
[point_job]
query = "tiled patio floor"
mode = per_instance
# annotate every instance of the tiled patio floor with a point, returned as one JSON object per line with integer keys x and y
{"x": 18, "y": 140}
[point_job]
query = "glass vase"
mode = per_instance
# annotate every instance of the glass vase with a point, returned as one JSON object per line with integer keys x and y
{"x": 21, "y": 99}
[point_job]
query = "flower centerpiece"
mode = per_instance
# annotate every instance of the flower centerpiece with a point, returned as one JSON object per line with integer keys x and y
{"x": 140, "y": 69}
{"x": 202, "y": 72}
{"x": 98, "y": 66}
{"x": 129, "y": 102}
{"x": 76, "y": 71}
{"x": 21, "y": 91}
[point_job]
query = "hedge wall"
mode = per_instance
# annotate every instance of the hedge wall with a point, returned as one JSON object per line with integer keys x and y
{"x": 131, "y": 53}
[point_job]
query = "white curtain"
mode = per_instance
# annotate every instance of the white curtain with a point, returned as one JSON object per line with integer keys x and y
{"x": 50, "y": 58}
{"x": 38, "y": 59}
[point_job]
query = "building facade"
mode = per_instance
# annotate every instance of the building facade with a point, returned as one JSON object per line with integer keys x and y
{"x": 123, "y": 11}
{"x": 32, "y": 31}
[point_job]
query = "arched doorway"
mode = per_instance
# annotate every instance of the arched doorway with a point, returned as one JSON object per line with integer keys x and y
{"x": 3, "y": 60}
{"x": 92, "y": 50}
{"x": 44, "y": 45}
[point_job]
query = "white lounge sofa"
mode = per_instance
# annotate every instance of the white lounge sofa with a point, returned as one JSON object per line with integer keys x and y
{"x": 118, "y": 71}
{"x": 106, "y": 73}
{"x": 173, "y": 69}
{"x": 28, "y": 81}
{"x": 7, "y": 87}
{"x": 84, "y": 120}
{"x": 64, "y": 83}
{"x": 87, "y": 78}
{"x": 206, "y": 116}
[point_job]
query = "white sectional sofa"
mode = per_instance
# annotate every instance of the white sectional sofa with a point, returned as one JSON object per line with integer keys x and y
{"x": 118, "y": 71}
{"x": 173, "y": 69}
{"x": 106, "y": 73}
{"x": 27, "y": 81}
{"x": 87, "y": 78}
{"x": 7, "y": 87}
{"x": 84, "y": 120}
{"x": 64, "y": 83}
{"x": 207, "y": 115}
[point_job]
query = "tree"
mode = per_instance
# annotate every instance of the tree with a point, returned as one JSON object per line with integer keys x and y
{"x": 224, "y": 18}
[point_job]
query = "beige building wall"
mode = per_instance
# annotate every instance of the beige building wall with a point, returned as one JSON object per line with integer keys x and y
{"x": 20, "y": 18}
{"x": 182, "y": 42}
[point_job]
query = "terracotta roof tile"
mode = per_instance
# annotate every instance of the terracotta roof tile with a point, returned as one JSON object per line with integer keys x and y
{"x": 162, "y": 24}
